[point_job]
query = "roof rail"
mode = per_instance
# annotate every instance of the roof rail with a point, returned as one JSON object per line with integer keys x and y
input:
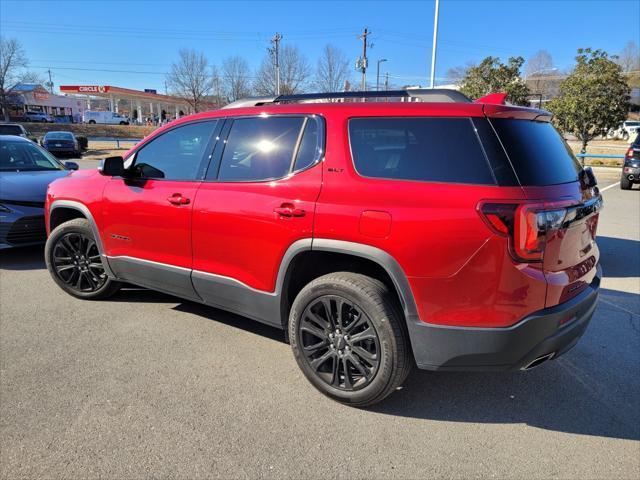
{"x": 441, "y": 95}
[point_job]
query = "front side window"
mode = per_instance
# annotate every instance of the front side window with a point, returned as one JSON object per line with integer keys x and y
{"x": 26, "y": 157}
{"x": 428, "y": 149}
{"x": 175, "y": 155}
{"x": 260, "y": 148}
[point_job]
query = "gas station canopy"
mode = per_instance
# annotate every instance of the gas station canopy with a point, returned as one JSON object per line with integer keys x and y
{"x": 142, "y": 101}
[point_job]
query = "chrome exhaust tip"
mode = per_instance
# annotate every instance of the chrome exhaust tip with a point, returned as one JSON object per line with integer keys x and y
{"x": 539, "y": 361}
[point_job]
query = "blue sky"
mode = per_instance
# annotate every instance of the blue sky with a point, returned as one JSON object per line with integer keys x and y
{"x": 81, "y": 40}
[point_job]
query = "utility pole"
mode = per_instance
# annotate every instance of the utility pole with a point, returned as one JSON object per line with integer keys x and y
{"x": 435, "y": 42}
{"x": 386, "y": 81}
{"x": 363, "y": 60}
{"x": 276, "y": 51}
{"x": 378, "y": 73}
{"x": 50, "y": 82}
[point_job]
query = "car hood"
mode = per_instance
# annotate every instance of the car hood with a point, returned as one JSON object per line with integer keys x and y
{"x": 27, "y": 186}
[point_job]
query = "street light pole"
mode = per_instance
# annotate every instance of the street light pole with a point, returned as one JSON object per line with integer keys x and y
{"x": 435, "y": 41}
{"x": 378, "y": 73}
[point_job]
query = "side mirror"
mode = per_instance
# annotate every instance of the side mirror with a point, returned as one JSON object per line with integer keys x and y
{"x": 112, "y": 167}
{"x": 588, "y": 178}
{"x": 71, "y": 165}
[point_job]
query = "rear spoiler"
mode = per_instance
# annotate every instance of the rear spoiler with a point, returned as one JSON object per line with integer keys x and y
{"x": 494, "y": 106}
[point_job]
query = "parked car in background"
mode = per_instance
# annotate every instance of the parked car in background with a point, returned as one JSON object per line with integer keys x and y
{"x": 625, "y": 131}
{"x": 107, "y": 118}
{"x": 18, "y": 130}
{"x": 26, "y": 170}
{"x": 447, "y": 233}
{"x": 32, "y": 116}
{"x": 631, "y": 167}
{"x": 62, "y": 143}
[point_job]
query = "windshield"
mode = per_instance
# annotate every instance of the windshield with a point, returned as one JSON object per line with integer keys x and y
{"x": 58, "y": 136}
{"x": 10, "y": 130}
{"x": 26, "y": 157}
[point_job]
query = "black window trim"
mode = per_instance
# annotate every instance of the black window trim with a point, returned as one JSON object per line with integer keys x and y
{"x": 466, "y": 117}
{"x": 206, "y": 156}
{"x": 216, "y": 161}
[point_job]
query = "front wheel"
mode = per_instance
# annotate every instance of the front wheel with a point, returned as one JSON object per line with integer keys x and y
{"x": 347, "y": 336}
{"x": 74, "y": 262}
{"x": 92, "y": 122}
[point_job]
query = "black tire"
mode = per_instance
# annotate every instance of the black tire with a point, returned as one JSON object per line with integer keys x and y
{"x": 92, "y": 122}
{"x": 123, "y": 123}
{"x": 71, "y": 248}
{"x": 625, "y": 183}
{"x": 368, "y": 305}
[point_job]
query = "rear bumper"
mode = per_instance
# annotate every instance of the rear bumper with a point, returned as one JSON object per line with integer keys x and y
{"x": 552, "y": 330}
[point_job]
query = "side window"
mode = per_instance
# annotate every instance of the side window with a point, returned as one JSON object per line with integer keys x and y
{"x": 260, "y": 148}
{"x": 177, "y": 154}
{"x": 423, "y": 148}
{"x": 310, "y": 148}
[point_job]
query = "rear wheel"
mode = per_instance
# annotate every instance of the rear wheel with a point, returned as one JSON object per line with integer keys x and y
{"x": 92, "y": 122}
{"x": 625, "y": 183}
{"x": 74, "y": 262}
{"x": 347, "y": 336}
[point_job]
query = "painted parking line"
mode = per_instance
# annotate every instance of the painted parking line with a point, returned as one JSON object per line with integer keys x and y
{"x": 609, "y": 186}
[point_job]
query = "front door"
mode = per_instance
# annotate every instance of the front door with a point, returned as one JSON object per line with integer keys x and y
{"x": 258, "y": 199}
{"x": 147, "y": 215}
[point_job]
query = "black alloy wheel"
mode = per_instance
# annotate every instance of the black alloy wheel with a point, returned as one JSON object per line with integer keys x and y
{"x": 339, "y": 342}
{"x": 77, "y": 262}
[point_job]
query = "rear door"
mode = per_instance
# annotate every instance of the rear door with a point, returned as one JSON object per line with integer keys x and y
{"x": 551, "y": 176}
{"x": 258, "y": 199}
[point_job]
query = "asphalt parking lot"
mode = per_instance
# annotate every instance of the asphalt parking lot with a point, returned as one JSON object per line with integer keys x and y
{"x": 147, "y": 385}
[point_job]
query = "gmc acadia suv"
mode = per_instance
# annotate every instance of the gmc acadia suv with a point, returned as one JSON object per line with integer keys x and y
{"x": 438, "y": 231}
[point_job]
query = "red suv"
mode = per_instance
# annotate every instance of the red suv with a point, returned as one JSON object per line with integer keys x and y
{"x": 454, "y": 234}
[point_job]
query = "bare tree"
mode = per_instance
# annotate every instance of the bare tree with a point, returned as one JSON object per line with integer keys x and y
{"x": 332, "y": 70}
{"x": 629, "y": 58}
{"x": 13, "y": 62}
{"x": 455, "y": 75}
{"x": 537, "y": 71}
{"x": 294, "y": 72}
{"x": 190, "y": 78}
{"x": 236, "y": 78}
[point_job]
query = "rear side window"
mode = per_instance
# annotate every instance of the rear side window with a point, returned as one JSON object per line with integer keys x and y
{"x": 425, "y": 149}
{"x": 537, "y": 152}
{"x": 260, "y": 148}
{"x": 10, "y": 130}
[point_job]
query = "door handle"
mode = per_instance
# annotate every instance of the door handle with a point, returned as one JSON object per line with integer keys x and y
{"x": 178, "y": 199}
{"x": 289, "y": 210}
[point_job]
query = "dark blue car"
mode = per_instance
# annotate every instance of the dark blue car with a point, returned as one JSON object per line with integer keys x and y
{"x": 25, "y": 172}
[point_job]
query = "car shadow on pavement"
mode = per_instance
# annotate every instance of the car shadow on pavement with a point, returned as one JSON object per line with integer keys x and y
{"x": 232, "y": 320}
{"x": 619, "y": 257}
{"x": 22, "y": 258}
{"x": 591, "y": 390}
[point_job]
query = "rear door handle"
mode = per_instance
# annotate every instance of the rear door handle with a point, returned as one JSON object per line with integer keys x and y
{"x": 178, "y": 199}
{"x": 289, "y": 210}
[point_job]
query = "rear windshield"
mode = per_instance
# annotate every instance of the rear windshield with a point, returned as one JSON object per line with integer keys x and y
{"x": 425, "y": 149}
{"x": 538, "y": 153}
{"x": 58, "y": 136}
{"x": 10, "y": 130}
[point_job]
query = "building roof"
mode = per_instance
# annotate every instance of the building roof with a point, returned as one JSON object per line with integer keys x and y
{"x": 27, "y": 87}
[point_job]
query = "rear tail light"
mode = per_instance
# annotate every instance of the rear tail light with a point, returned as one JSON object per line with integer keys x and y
{"x": 630, "y": 152}
{"x": 527, "y": 225}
